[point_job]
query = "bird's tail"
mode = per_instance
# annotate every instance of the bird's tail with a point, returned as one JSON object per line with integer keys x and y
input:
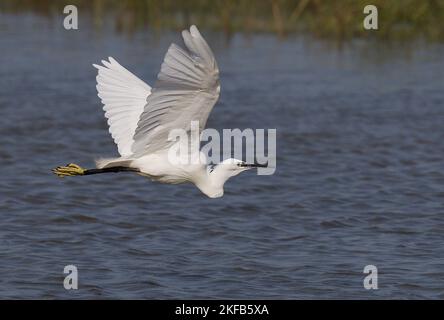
{"x": 112, "y": 162}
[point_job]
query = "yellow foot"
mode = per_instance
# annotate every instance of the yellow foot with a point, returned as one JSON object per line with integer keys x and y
{"x": 70, "y": 170}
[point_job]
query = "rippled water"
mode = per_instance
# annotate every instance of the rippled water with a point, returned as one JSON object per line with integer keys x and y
{"x": 359, "y": 179}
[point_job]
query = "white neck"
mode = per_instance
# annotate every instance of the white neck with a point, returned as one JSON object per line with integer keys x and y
{"x": 211, "y": 182}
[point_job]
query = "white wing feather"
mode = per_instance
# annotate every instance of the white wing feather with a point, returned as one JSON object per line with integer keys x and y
{"x": 186, "y": 90}
{"x": 123, "y": 96}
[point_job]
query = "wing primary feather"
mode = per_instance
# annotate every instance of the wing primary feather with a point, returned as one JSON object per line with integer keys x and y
{"x": 186, "y": 90}
{"x": 123, "y": 96}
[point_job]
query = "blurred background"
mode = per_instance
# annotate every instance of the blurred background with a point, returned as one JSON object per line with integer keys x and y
{"x": 360, "y": 172}
{"x": 334, "y": 20}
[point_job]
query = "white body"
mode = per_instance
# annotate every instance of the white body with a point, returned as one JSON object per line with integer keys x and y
{"x": 140, "y": 117}
{"x": 158, "y": 168}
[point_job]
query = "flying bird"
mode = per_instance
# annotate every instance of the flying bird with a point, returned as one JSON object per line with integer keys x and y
{"x": 140, "y": 117}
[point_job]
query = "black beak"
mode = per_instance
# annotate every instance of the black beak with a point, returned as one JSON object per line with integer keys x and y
{"x": 254, "y": 165}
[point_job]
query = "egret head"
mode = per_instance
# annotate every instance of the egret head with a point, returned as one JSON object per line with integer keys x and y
{"x": 232, "y": 167}
{"x": 220, "y": 173}
{"x": 238, "y": 166}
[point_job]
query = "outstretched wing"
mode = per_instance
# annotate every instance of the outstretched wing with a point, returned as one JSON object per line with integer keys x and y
{"x": 186, "y": 90}
{"x": 123, "y": 96}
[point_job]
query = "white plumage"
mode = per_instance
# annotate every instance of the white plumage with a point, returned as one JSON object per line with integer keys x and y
{"x": 140, "y": 118}
{"x": 123, "y": 96}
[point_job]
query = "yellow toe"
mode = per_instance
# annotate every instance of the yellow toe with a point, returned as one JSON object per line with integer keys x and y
{"x": 70, "y": 169}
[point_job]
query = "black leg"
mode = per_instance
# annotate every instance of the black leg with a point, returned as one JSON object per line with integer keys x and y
{"x": 112, "y": 169}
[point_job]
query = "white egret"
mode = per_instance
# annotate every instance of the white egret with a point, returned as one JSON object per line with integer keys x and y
{"x": 140, "y": 117}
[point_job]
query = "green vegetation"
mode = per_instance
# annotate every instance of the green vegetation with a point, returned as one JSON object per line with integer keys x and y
{"x": 337, "y": 20}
